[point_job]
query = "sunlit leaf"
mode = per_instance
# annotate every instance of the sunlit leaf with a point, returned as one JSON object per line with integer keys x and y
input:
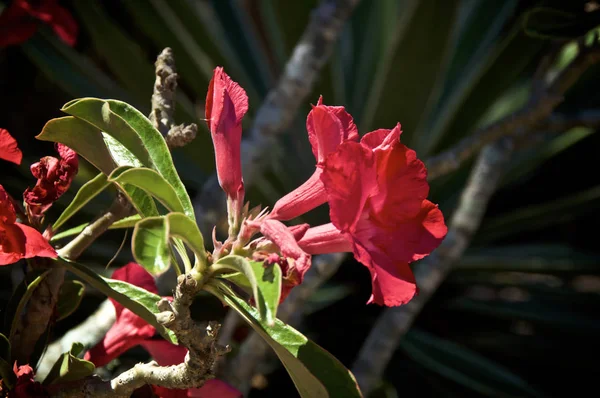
{"x": 68, "y": 367}
{"x": 69, "y": 298}
{"x": 86, "y": 193}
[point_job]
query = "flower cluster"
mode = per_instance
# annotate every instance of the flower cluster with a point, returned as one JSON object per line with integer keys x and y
{"x": 19, "y": 240}
{"x": 375, "y": 186}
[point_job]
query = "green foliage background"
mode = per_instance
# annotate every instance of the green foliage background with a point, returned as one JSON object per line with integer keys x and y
{"x": 518, "y": 316}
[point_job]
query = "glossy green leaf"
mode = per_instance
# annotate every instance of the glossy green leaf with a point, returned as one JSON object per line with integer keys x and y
{"x": 69, "y": 297}
{"x": 135, "y": 132}
{"x": 86, "y": 193}
{"x": 138, "y": 300}
{"x": 127, "y": 222}
{"x": 315, "y": 372}
{"x": 7, "y": 375}
{"x": 464, "y": 366}
{"x": 264, "y": 281}
{"x": 184, "y": 228}
{"x": 150, "y": 245}
{"x": 82, "y": 137}
{"x": 153, "y": 183}
{"x": 23, "y": 301}
{"x": 68, "y": 367}
{"x": 151, "y": 238}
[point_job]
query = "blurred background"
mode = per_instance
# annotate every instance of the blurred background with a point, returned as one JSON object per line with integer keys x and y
{"x": 517, "y": 316}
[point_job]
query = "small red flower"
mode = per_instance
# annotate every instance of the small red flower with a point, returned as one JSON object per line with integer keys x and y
{"x": 129, "y": 330}
{"x": 328, "y": 127}
{"x": 9, "y": 150}
{"x": 18, "y": 241}
{"x": 226, "y": 105}
{"x": 19, "y": 21}
{"x": 54, "y": 178}
{"x": 377, "y": 193}
{"x": 25, "y": 386}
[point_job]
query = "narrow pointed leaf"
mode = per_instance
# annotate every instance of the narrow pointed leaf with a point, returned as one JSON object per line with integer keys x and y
{"x": 315, "y": 372}
{"x": 6, "y": 370}
{"x": 23, "y": 301}
{"x": 86, "y": 193}
{"x": 182, "y": 227}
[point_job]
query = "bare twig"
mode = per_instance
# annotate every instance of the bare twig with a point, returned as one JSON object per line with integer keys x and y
{"x": 200, "y": 341}
{"x": 253, "y": 351}
{"x": 430, "y": 272}
{"x": 163, "y": 103}
{"x": 524, "y": 120}
{"x": 283, "y": 101}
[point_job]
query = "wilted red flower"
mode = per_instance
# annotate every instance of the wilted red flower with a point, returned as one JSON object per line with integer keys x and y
{"x": 377, "y": 193}
{"x": 129, "y": 330}
{"x": 54, "y": 178}
{"x": 18, "y": 241}
{"x": 328, "y": 127}
{"x": 8, "y": 148}
{"x": 19, "y": 21}
{"x": 25, "y": 386}
{"x": 226, "y": 105}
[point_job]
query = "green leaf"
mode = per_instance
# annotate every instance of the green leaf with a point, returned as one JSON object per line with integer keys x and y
{"x": 82, "y": 137}
{"x": 184, "y": 228}
{"x": 69, "y": 298}
{"x": 153, "y": 183}
{"x": 136, "y": 299}
{"x": 567, "y": 23}
{"x": 265, "y": 282}
{"x": 464, "y": 366}
{"x": 7, "y": 375}
{"x": 70, "y": 368}
{"x": 150, "y": 245}
{"x": 315, "y": 372}
{"x": 136, "y": 133}
{"x": 23, "y": 301}
{"x": 127, "y": 222}
{"x": 86, "y": 193}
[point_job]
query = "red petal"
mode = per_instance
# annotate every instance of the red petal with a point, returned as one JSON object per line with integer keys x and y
{"x": 7, "y": 210}
{"x": 64, "y": 25}
{"x": 15, "y": 25}
{"x": 324, "y": 239}
{"x": 35, "y": 244}
{"x": 393, "y": 282}
{"x": 301, "y": 200}
{"x": 226, "y": 104}
{"x": 164, "y": 352}
{"x": 325, "y": 132}
{"x": 214, "y": 388}
{"x": 127, "y": 332}
{"x": 8, "y": 146}
{"x": 18, "y": 241}
{"x": 349, "y": 177}
{"x": 68, "y": 155}
{"x": 401, "y": 180}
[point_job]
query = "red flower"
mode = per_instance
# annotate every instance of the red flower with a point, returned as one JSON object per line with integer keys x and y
{"x": 9, "y": 150}
{"x": 377, "y": 193}
{"x": 18, "y": 21}
{"x": 226, "y": 105}
{"x": 54, "y": 178}
{"x": 25, "y": 385}
{"x": 129, "y": 330}
{"x": 18, "y": 241}
{"x": 328, "y": 127}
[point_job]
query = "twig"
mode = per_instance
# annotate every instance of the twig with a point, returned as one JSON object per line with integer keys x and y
{"x": 200, "y": 341}
{"x": 526, "y": 119}
{"x": 430, "y": 272}
{"x": 163, "y": 103}
{"x": 283, "y": 101}
{"x": 253, "y": 351}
